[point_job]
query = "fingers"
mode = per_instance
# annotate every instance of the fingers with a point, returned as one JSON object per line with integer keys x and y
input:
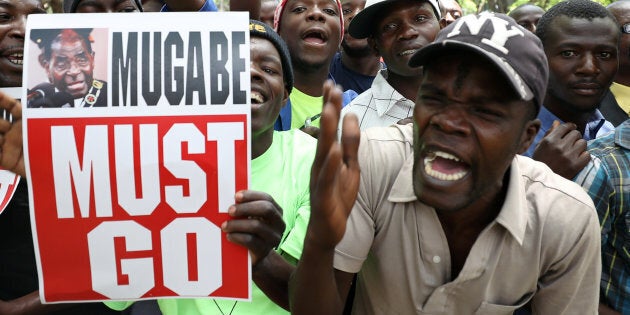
{"x": 350, "y": 139}
{"x": 256, "y": 205}
{"x": 11, "y": 157}
{"x": 554, "y": 125}
{"x": 328, "y": 123}
{"x": 11, "y": 105}
{"x": 559, "y": 131}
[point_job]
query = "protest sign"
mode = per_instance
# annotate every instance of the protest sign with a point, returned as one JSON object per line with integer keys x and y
{"x": 136, "y": 139}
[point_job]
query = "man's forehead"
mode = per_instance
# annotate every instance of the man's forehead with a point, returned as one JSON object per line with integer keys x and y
{"x": 312, "y": 1}
{"x": 25, "y": 3}
{"x": 68, "y": 42}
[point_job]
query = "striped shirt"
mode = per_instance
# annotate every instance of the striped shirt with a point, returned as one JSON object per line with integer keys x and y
{"x": 607, "y": 180}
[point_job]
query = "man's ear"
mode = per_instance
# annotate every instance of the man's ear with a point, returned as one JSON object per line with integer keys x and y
{"x": 529, "y": 134}
{"x": 285, "y": 97}
{"x": 372, "y": 43}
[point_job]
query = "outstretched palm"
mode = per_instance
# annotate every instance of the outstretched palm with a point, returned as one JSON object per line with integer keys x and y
{"x": 335, "y": 172}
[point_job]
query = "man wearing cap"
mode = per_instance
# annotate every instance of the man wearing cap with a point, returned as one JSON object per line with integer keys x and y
{"x": 68, "y": 59}
{"x": 356, "y": 64}
{"x": 448, "y": 218}
{"x": 271, "y": 219}
{"x": 580, "y": 38}
{"x": 395, "y": 29}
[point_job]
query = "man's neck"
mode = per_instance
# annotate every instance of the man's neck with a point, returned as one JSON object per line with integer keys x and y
{"x": 366, "y": 65}
{"x": 406, "y": 86}
{"x": 261, "y": 142}
{"x": 310, "y": 82}
{"x": 567, "y": 113}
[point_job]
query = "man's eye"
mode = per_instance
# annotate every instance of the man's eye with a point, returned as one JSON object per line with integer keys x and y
{"x": 420, "y": 18}
{"x": 568, "y": 53}
{"x": 127, "y": 10}
{"x": 4, "y": 17}
{"x": 298, "y": 9}
{"x": 605, "y": 55}
{"x": 389, "y": 26}
{"x": 330, "y": 12}
{"x": 346, "y": 11}
{"x": 269, "y": 70}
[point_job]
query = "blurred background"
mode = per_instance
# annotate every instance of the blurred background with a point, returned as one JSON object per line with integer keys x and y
{"x": 468, "y": 6}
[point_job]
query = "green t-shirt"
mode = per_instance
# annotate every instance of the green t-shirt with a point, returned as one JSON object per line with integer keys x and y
{"x": 283, "y": 172}
{"x": 304, "y": 106}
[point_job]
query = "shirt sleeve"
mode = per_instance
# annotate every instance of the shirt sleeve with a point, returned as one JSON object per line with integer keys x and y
{"x": 355, "y": 245}
{"x": 571, "y": 267}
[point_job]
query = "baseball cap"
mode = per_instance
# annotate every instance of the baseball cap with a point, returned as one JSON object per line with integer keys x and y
{"x": 516, "y": 52}
{"x": 362, "y": 23}
{"x": 260, "y": 29}
{"x": 44, "y": 37}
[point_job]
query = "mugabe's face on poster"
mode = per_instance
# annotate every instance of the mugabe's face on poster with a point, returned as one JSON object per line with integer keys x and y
{"x": 70, "y": 66}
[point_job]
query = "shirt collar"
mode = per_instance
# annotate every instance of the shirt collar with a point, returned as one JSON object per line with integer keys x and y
{"x": 385, "y": 96}
{"x": 513, "y": 214}
{"x": 596, "y": 125}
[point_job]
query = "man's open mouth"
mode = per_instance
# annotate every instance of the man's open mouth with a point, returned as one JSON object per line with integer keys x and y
{"x": 445, "y": 166}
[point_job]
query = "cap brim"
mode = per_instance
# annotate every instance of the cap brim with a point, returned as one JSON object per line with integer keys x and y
{"x": 427, "y": 53}
{"x": 362, "y": 23}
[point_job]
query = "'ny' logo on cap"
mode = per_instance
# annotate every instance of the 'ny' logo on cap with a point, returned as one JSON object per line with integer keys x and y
{"x": 496, "y": 38}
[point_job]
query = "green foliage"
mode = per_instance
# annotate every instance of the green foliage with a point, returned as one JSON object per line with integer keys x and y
{"x": 474, "y": 6}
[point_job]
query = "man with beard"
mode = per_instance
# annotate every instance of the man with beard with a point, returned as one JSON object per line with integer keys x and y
{"x": 312, "y": 30}
{"x": 396, "y": 29}
{"x": 355, "y": 66}
{"x": 580, "y": 39}
{"x": 444, "y": 216}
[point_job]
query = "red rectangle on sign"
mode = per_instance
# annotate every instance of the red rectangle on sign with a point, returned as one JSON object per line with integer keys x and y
{"x": 131, "y": 207}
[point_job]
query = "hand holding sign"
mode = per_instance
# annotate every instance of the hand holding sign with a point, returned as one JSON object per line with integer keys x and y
{"x": 11, "y": 154}
{"x": 257, "y": 223}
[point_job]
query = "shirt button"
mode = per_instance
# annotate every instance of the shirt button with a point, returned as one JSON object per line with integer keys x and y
{"x": 437, "y": 259}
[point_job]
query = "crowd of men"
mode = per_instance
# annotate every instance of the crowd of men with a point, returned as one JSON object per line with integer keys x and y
{"x": 423, "y": 160}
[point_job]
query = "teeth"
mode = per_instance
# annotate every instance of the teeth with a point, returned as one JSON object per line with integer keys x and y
{"x": 17, "y": 58}
{"x": 257, "y": 98}
{"x": 408, "y": 52}
{"x": 428, "y": 167}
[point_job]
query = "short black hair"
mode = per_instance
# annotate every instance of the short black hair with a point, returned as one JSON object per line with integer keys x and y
{"x": 581, "y": 9}
{"x": 44, "y": 38}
